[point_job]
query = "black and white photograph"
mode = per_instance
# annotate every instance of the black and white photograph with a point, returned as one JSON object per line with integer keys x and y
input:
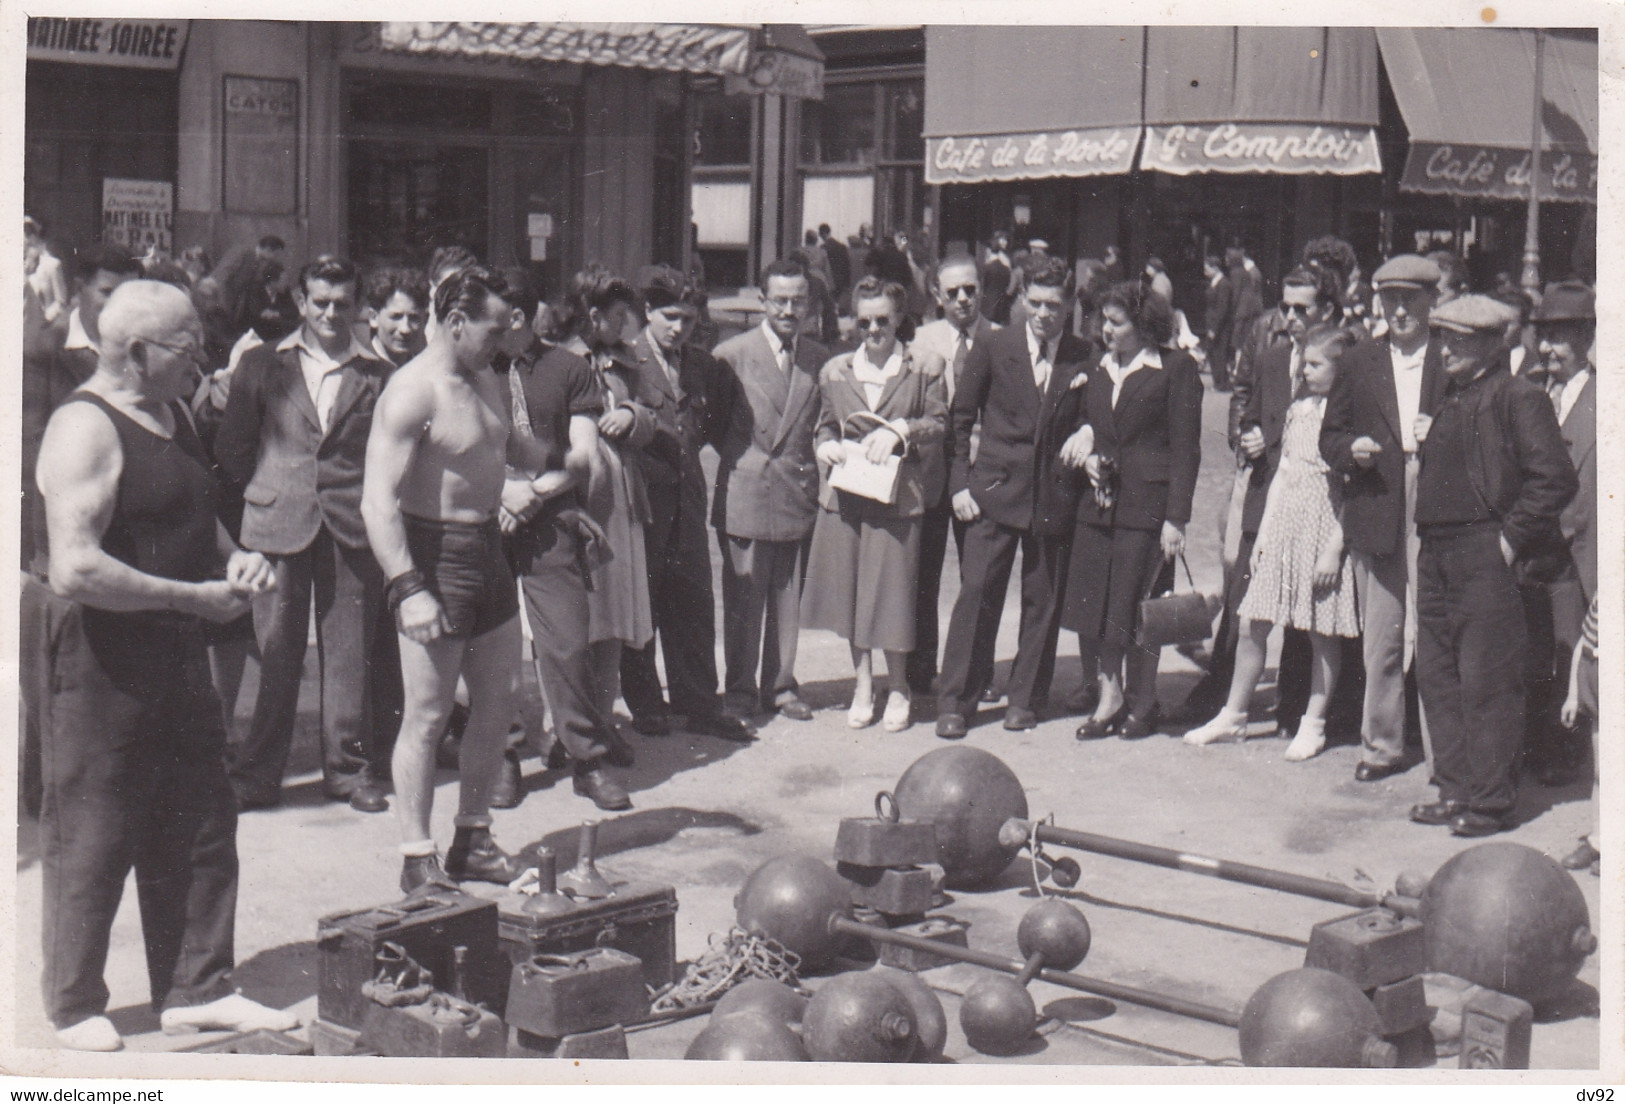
{"x": 1054, "y": 538}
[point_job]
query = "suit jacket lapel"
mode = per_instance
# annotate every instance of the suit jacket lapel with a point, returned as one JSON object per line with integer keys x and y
{"x": 1434, "y": 379}
{"x": 649, "y": 366}
{"x": 293, "y": 383}
{"x": 352, "y": 382}
{"x": 896, "y": 382}
{"x": 1388, "y": 389}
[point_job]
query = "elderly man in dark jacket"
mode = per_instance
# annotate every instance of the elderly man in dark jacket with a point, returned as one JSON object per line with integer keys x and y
{"x": 1495, "y": 476}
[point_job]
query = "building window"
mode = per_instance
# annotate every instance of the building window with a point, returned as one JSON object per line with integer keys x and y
{"x": 905, "y": 121}
{"x": 723, "y": 132}
{"x": 841, "y": 129}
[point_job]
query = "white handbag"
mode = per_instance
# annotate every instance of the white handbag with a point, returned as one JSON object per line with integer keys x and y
{"x": 859, "y": 475}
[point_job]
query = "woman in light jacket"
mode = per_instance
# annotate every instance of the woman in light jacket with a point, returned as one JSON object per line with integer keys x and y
{"x": 880, "y": 400}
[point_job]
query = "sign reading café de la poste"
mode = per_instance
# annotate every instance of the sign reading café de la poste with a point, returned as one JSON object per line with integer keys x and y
{"x": 1497, "y": 173}
{"x": 1030, "y": 156}
{"x": 1301, "y": 148}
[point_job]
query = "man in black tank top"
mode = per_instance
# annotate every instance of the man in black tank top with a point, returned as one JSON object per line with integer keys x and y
{"x": 139, "y": 561}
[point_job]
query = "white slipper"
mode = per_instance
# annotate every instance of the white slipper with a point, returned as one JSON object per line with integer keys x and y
{"x": 233, "y": 1013}
{"x": 1310, "y": 739}
{"x": 1228, "y": 727}
{"x": 899, "y": 712}
{"x": 96, "y": 1033}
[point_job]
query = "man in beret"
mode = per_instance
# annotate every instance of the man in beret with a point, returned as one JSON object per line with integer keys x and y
{"x": 1493, "y": 481}
{"x": 679, "y": 382}
{"x": 1368, "y": 434}
{"x": 1566, "y": 330}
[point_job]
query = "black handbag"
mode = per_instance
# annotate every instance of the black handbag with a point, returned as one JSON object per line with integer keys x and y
{"x": 1183, "y": 617}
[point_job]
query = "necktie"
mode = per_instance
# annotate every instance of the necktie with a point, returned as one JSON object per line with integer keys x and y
{"x": 786, "y": 359}
{"x": 1041, "y": 369}
{"x": 959, "y": 353}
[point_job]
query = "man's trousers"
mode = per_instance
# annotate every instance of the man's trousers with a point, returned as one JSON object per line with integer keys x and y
{"x": 761, "y": 620}
{"x": 555, "y": 592}
{"x": 684, "y": 611}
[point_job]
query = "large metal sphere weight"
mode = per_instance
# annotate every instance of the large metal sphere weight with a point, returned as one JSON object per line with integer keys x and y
{"x": 1507, "y": 917}
{"x": 997, "y": 1015}
{"x": 968, "y": 794}
{"x": 1314, "y": 1018}
{"x": 930, "y": 1022}
{"x": 1057, "y": 930}
{"x": 762, "y": 997}
{"x": 859, "y": 1018}
{"x": 747, "y": 1037}
{"x": 790, "y": 899}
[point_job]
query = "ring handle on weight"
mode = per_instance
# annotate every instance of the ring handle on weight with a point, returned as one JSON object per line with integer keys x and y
{"x": 886, "y": 807}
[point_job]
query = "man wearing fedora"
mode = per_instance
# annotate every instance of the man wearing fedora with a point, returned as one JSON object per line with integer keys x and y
{"x": 1368, "y": 434}
{"x": 1493, "y": 481}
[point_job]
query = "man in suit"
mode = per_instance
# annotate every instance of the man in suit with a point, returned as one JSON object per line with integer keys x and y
{"x": 678, "y": 382}
{"x": 1218, "y": 320}
{"x": 1368, "y": 434}
{"x": 1024, "y": 384}
{"x": 840, "y": 262}
{"x": 961, "y": 328}
{"x": 1566, "y": 327}
{"x": 294, "y": 436}
{"x": 767, "y": 494}
{"x": 1495, "y": 477}
{"x": 1273, "y": 383}
{"x": 1247, "y": 283}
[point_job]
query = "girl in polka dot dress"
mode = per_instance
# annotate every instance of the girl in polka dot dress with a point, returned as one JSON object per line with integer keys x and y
{"x": 1302, "y": 576}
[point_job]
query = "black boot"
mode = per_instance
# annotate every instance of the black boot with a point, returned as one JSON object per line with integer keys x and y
{"x": 475, "y": 856}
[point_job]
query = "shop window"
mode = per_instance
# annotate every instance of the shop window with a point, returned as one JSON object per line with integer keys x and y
{"x": 905, "y": 121}
{"x": 723, "y": 130}
{"x": 546, "y": 112}
{"x": 844, "y": 202}
{"x": 841, "y": 129}
{"x": 405, "y": 199}
{"x": 420, "y": 107}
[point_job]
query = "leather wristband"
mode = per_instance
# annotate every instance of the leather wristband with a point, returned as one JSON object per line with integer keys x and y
{"x": 403, "y": 586}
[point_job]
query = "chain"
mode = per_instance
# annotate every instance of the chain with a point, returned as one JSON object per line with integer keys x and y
{"x": 730, "y": 959}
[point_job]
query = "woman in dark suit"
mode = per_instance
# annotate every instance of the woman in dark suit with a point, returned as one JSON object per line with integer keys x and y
{"x": 1144, "y": 404}
{"x": 882, "y": 399}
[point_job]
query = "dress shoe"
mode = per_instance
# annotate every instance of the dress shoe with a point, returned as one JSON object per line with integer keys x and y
{"x": 723, "y": 727}
{"x": 1583, "y": 857}
{"x": 475, "y": 856}
{"x": 509, "y": 790}
{"x": 990, "y": 695}
{"x": 368, "y": 796}
{"x": 651, "y": 724}
{"x": 899, "y": 712}
{"x": 591, "y": 780}
{"x": 1474, "y": 824}
{"x": 1438, "y": 812}
{"x": 862, "y": 712}
{"x": 1376, "y": 772}
{"x": 1138, "y": 728}
{"x": 96, "y": 1033}
{"x": 423, "y": 873}
{"x": 795, "y": 709}
{"x": 951, "y": 726}
{"x": 230, "y": 1013}
{"x": 1096, "y": 728}
{"x": 1017, "y": 719}
{"x": 619, "y": 753}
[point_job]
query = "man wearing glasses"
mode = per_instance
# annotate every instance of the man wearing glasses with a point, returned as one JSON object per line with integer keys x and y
{"x": 960, "y": 329}
{"x": 134, "y": 751}
{"x": 1369, "y": 435}
{"x": 1024, "y": 383}
{"x": 767, "y": 495}
{"x": 295, "y": 436}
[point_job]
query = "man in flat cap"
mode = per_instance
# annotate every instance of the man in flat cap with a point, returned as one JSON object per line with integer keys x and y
{"x": 1494, "y": 479}
{"x": 1369, "y": 435}
{"x": 679, "y": 382}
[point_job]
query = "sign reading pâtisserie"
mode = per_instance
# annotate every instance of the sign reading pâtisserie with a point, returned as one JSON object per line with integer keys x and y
{"x": 133, "y": 43}
{"x": 1497, "y": 173}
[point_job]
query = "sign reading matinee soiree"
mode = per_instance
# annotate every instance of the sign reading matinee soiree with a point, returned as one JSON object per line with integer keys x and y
{"x": 132, "y": 43}
{"x": 1030, "y": 156}
{"x": 138, "y": 214}
{"x": 1304, "y": 148}
{"x": 1497, "y": 173}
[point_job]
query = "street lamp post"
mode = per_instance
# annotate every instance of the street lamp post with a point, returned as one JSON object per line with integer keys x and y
{"x": 1531, "y": 234}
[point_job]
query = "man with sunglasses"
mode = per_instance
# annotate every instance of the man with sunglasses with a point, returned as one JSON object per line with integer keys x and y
{"x": 961, "y": 328}
{"x": 767, "y": 494}
{"x": 1369, "y": 435}
{"x": 134, "y": 745}
{"x": 294, "y": 436}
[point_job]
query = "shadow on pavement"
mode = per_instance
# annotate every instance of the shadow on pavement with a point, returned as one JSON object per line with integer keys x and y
{"x": 279, "y": 976}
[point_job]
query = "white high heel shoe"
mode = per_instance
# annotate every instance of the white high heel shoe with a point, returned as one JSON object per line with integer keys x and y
{"x": 862, "y": 713}
{"x": 899, "y": 710}
{"x": 1228, "y": 727}
{"x": 1310, "y": 739}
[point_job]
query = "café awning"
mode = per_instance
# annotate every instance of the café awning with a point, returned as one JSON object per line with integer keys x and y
{"x": 1467, "y": 97}
{"x": 762, "y": 58}
{"x": 1261, "y": 100}
{"x": 1024, "y": 103}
